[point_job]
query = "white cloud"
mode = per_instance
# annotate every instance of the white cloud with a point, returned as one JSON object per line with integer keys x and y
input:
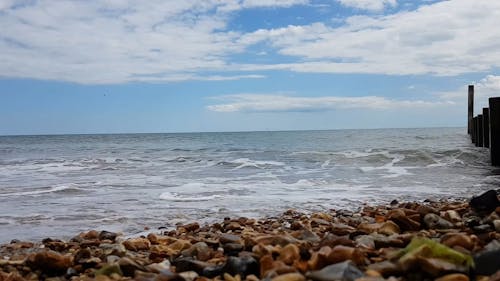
{"x": 372, "y": 5}
{"x": 280, "y": 103}
{"x": 120, "y": 41}
{"x": 445, "y": 38}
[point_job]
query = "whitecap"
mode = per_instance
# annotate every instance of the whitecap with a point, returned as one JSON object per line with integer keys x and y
{"x": 56, "y": 188}
{"x": 172, "y": 196}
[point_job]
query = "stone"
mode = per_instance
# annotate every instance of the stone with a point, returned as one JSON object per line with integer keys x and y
{"x": 333, "y": 240}
{"x": 344, "y": 271}
{"x": 199, "y": 250}
{"x": 109, "y": 269}
{"x": 106, "y": 235}
{"x": 404, "y": 222}
{"x": 243, "y": 266}
{"x": 487, "y": 261}
{"x": 458, "y": 239}
{"x": 189, "y": 264}
{"x": 341, "y": 253}
{"x": 190, "y": 227}
{"x": 113, "y": 249}
{"x": 49, "y": 262}
{"x": 189, "y": 275}
{"x": 289, "y": 254}
{"x": 496, "y": 224}
{"x": 342, "y": 229}
{"x": 452, "y": 216}
{"x": 129, "y": 266}
{"x": 213, "y": 271}
{"x": 289, "y": 277}
{"x": 486, "y": 202}
{"x": 389, "y": 228}
{"x": 229, "y": 238}
{"x": 453, "y": 277}
{"x": 137, "y": 244}
{"x": 385, "y": 268}
{"x": 433, "y": 221}
{"x": 232, "y": 249}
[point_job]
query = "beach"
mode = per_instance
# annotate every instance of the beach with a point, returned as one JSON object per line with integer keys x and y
{"x": 432, "y": 240}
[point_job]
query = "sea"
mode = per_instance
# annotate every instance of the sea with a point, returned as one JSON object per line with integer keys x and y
{"x": 59, "y": 185}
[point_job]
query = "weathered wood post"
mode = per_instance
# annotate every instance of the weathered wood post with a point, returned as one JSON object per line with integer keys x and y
{"x": 470, "y": 110}
{"x": 486, "y": 127}
{"x": 473, "y": 130}
{"x": 479, "y": 127}
{"x": 495, "y": 130}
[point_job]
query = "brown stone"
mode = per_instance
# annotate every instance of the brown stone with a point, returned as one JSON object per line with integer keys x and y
{"x": 229, "y": 238}
{"x": 403, "y": 221}
{"x": 453, "y": 277}
{"x": 458, "y": 239}
{"x": 137, "y": 244}
{"x": 289, "y": 254}
{"x": 49, "y": 262}
{"x": 389, "y": 228}
{"x": 342, "y": 229}
{"x": 385, "y": 268}
{"x": 341, "y": 253}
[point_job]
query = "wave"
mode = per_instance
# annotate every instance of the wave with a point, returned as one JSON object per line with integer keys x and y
{"x": 55, "y": 189}
{"x": 172, "y": 196}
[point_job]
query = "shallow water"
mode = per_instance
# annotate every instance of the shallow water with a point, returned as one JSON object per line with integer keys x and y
{"x": 59, "y": 185}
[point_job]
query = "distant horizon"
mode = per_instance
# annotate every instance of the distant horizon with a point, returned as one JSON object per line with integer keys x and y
{"x": 249, "y": 131}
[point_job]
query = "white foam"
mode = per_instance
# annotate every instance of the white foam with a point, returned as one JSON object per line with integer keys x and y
{"x": 172, "y": 196}
{"x": 245, "y": 162}
{"x": 42, "y": 191}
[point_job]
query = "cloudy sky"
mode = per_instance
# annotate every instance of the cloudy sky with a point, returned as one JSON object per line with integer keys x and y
{"x": 117, "y": 66}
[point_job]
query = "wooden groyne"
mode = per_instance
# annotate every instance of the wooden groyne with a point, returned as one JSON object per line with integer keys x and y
{"x": 484, "y": 128}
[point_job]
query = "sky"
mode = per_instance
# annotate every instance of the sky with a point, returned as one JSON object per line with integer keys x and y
{"x": 125, "y": 66}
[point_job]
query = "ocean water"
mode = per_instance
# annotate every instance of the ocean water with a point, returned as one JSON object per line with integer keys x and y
{"x": 57, "y": 186}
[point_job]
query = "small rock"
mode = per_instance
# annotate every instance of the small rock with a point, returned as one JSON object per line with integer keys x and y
{"x": 389, "y": 228}
{"x": 404, "y": 222}
{"x": 341, "y": 253}
{"x": 453, "y": 277}
{"x": 106, "y": 235}
{"x": 385, "y": 268}
{"x": 229, "y": 238}
{"x": 486, "y": 202}
{"x": 241, "y": 265}
{"x": 289, "y": 277}
{"x": 137, "y": 244}
{"x": 452, "y": 216}
{"x": 129, "y": 266}
{"x": 289, "y": 254}
{"x": 109, "y": 269}
{"x": 458, "y": 239}
{"x": 199, "y": 250}
{"x": 189, "y": 275}
{"x": 190, "y": 227}
{"x": 394, "y": 202}
{"x": 189, "y": 264}
{"x": 49, "y": 262}
{"x": 344, "y": 271}
{"x": 496, "y": 224}
{"x": 433, "y": 221}
{"x": 232, "y": 249}
{"x": 487, "y": 262}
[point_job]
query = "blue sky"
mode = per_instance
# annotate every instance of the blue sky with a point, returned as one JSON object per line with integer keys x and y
{"x": 117, "y": 66}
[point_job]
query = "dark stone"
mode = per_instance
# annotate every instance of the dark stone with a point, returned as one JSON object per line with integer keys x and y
{"x": 487, "y": 262}
{"x": 106, "y": 235}
{"x": 243, "y": 266}
{"x": 82, "y": 255}
{"x": 344, "y": 271}
{"x": 486, "y": 202}
{"x": 394, "y": 202}
{"x": 189, "y": 264}
{"x": 232, "y": 249}
{"x": 213, "y": 271}
{"x": 129, "y": 266}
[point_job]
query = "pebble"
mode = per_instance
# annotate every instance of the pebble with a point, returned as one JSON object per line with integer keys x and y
{"x": 370, "y": 245}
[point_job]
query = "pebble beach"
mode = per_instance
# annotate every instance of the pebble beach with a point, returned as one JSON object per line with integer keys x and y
{"x": 429, "y": 240}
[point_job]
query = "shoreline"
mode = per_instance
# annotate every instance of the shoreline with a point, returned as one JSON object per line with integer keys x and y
{"x": 447, "y": 239}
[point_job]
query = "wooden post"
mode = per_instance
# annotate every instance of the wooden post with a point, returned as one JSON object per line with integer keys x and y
{"x": 473, "y": 130}
{"x": 470, "y": 110}
{"x": 486, "y": 127}
{"x": 495, "y": 131}
{"x": 479, "y": 127}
